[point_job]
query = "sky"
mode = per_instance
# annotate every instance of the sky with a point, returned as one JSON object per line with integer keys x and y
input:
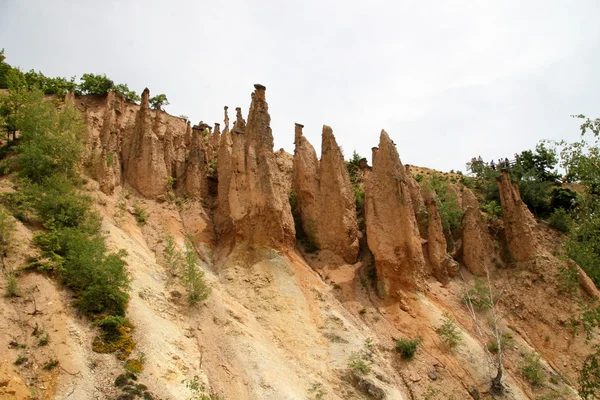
{"x": 448, "y": 80}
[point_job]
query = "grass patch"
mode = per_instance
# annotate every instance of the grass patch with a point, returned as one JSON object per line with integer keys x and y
{"x": 407, "y": 347}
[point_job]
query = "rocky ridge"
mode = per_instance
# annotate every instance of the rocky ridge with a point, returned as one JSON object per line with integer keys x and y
{"x": 308, "y": 316}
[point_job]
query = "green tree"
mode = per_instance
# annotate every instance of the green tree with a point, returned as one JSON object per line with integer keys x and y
{"x": 129, "y": 95}
{"x": 51, "y": 139}
{"x": 94, "y": 84}
{"x": 589, "y": 377}
{"x": 158, "y": 101}
{"x": 193, "y": 277}
{"x": 581, "y": 161}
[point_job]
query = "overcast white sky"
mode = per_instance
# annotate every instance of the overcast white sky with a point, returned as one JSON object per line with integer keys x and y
{"x": 448, "y": 80}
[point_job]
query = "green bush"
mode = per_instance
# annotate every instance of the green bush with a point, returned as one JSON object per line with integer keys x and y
{"x": 562, "y": 197}
{"x": 560, "y": 220}
{"x": 492, "y": 208}
{"x": 98, "y": 278}
{"x": 56, "y": 199}
{"x": 479, "y": 295}
{"x": 532, "y": 369}
{"x": 141, "y": 215}
{"x": 193, "y": 277}
{"x": 50, "y": 141}
{"x": 124, "y": 91}
{"x": 158, "y": 101}
{"x": 450, "y": 211}
{"x": 94, "y": 84}
{"x": 358, "y": 364}
{"x": 448, "y": 331}
{"x": 407, "y": 347}
{"x": 589, "y": 376}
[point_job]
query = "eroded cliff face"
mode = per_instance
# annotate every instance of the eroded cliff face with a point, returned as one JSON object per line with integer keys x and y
{"x": 392, "y": 232}
{"x": 259, "y": 208}
{"x": 519, "y": 223}
{"x": 140, "y": 147}
{"x": 325, "y": 197}
{"x": 478, "y": 252}
{"x": 275, "y": 327}
{"x": 143, "y": 154}
{"x": 439, "y": 260}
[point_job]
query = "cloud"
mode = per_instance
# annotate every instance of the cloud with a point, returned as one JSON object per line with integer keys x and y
{"x": 447, "y": 80}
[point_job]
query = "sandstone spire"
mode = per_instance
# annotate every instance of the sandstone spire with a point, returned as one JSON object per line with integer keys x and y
{"x": 436, "y": 241}
{"x": 259, "y": 208}
{"x": 519, "y": 223}
{"x": 338, "y": 228}
{"x": 325, "y": 197}
{"x": 224, "y": 171}
{"x": 195, "y": 171}
{"x": 145, "y": 164}
{"x": 106, "y": 158}
{"x": 477, "y": 248}
{"x": 392, "y": 233}
{"x": 305, "y": 183}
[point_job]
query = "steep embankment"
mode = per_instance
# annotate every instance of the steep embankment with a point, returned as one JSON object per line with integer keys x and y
{"x": 281, "y": 323}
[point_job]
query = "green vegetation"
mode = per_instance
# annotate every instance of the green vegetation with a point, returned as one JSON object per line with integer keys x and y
{"x": 448, "y": 331}
{"x": 407, "y": 347}
{"x": 193, "y": 277}
{"x": 134, "y": 366}
{"x": 581, "y": 161}
{"x": 478, "y": 296}
{"x": 21, "y": 360}
{"x": 141, "y": 215}
{"x": 7, "y": 229}
{"x": 44, "y": 340}
{"x": 45, "y": 161}
{"x": 589, "y": 376}
{"x": 51, "y": 365}
{"x": 198, "y": 390}
{"x": 532, "y": 369}
{"x": 186, "y": 265}
{"x": 356, "y": 179}
{"x": 560, "y": 220}
{"x": 36, "y": 81}
{"x": 447, "y": 202}
{"x": 358, "y": 364}
{"x": 173, "y": 257}
{"x": 157, "y": 102}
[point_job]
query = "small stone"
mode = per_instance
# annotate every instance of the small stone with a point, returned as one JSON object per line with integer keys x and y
{"x": 432, "y": 374}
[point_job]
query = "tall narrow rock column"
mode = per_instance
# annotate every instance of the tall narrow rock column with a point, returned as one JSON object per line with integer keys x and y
{"x": 338, "y": 227}
{"x": 144, "y": 167}
{"x": 260, "y": 209}
{"x": 305, "y": 183}
{"x": 519, "y": 223}
{"x": 224, "y": 170}
{"x": 477, "y": 247}
{"x": 392, "y": 233}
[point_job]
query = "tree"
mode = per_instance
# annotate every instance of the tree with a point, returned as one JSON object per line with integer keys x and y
{"x": 126, "y": 93}
{"x": 581, "y": 161}
{"x": 158, "y": 101}
{"x": 589, "y": 377}
{"x": 94, "y": 84}
{"x": 51, "y": 139}
{"x": 491, "y": 301}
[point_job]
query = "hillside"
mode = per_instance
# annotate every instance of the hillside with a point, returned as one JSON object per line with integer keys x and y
{"x": 315, "y": 274}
